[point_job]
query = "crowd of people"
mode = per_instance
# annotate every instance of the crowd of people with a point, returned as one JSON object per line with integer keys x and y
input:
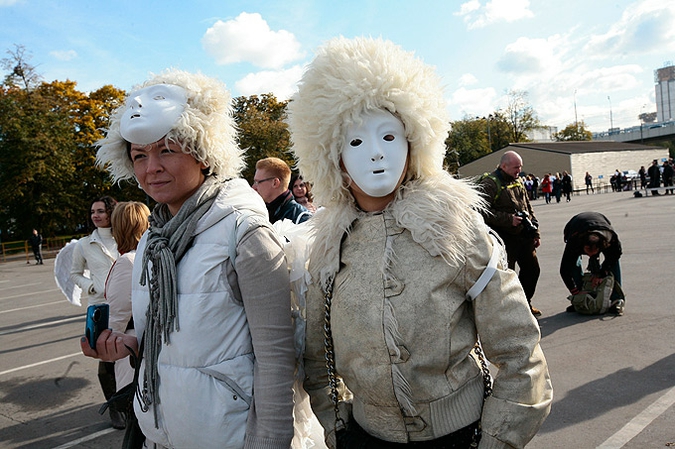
{"x": 556, "y": 186}
{"x": 202, "y": 294}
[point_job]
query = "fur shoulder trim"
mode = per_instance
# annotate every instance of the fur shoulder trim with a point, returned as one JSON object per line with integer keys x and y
{"x": 442, "y": 214}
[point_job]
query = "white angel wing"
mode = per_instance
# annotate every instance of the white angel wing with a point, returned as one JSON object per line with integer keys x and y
{"x": 297, "y": 240}
{"x": 62, "y": 265}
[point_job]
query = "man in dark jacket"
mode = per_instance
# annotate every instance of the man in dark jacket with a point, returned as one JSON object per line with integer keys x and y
{"x": 35, "y": 241}
{"x": 654, "y": 173}
{"x": 668, "y": 173}
{"x": 591, "y": 234}
{"x": 511, "y": 216}
{"x": 271, "y": 179}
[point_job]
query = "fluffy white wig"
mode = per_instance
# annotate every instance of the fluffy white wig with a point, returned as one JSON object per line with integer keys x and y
{"x": 348, "y": 77}
{"x": 206, "y": 129}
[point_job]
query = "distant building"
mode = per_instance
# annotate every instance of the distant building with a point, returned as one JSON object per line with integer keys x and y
{"x": 577, "y": 158}
{"x": 665, "y": 93}
{"x": 542, "y": 133}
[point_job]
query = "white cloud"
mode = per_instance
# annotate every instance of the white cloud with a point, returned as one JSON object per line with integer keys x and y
{"x": 471, "y": 102}
{"x": 646, "y": 26}
{"x": 64, "y": 55}
{"x": 478, "y": 16}
{"x": 467, "y": 80}
{"x": 248, "y": 38}
{"x": 4, "y": 3}
{"x": 281, "y": 83}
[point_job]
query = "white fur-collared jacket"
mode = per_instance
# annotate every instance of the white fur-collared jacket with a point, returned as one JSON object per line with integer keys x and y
{"x": 402, "y": 327}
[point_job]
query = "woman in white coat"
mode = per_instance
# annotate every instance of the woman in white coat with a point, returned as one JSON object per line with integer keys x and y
{"x": 92, "y": 258}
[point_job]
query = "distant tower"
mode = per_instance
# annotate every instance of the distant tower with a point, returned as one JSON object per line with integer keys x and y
{"x": 665, "y": 92}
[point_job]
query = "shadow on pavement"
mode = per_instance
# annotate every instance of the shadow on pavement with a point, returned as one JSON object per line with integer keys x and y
{"x": 621, "y": 388}
{"x": 550, "y": 324}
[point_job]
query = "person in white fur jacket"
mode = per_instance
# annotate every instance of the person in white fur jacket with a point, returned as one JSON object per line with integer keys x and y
{"x": 404, "y": 273}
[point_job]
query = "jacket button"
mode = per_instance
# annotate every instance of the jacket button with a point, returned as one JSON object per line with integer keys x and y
{"x": 235, "y": 397}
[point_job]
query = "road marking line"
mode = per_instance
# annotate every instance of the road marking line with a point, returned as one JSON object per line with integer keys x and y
{"x": 39, "y": 363}
{"x": 30, "y": 307}
{"x": 638, "y": 424}
{"x": 37, "y": 326}
{"x": 87, "y": 438}
{"x": 21, "y": 286}
{"x": 30, "y": 294}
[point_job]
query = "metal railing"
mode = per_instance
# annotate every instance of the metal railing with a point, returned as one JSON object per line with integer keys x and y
{"x": 20, "y": 249}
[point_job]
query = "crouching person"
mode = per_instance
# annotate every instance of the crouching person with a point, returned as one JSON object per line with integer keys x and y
{"x": 599, "y": 289}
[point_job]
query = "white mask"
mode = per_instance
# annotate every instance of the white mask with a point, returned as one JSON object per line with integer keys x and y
{"x": 375, "y": 153}
{"x": 152, "y": 112}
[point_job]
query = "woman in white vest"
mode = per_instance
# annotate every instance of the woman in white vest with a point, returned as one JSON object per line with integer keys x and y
{"x": 210, "y": 288}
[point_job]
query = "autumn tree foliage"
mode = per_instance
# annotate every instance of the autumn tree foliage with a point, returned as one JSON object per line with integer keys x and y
{"x": 573, "y": 132}
{"x": 47, "y": 134}
{"x": 262, "y": 130}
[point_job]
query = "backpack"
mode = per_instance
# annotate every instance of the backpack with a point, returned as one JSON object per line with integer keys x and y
{"x": 597, "y": 300}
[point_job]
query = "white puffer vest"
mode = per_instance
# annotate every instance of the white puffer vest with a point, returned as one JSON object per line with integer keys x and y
{"x": 206, "y": 383}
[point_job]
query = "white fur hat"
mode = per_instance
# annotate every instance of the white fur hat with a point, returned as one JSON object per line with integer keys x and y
{"x": 205, "y": 129}
{"x": 348, "y": 77}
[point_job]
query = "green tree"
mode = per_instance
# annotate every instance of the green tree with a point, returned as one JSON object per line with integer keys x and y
{"x": 262, "y": 130}
{"x": 473, "y": 138}
{"x": 519, "y": 115}
{"x": 573, "y": 132}
{"x": 47, "y": 152}
{"x": 467, "y": 141}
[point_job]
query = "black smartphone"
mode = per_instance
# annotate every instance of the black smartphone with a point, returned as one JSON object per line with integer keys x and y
{"x": 97, "y": 321}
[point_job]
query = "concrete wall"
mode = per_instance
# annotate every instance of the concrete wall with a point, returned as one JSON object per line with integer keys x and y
{"x": 606, "y": 163}
{"x": 534, "y": 161}
{"x": 541, "y": 162}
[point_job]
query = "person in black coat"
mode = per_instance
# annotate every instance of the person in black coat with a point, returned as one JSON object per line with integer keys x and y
{"x": 654, "y": 173}
{"x": 35, "y": 241}
{"x": 591, "y": 234}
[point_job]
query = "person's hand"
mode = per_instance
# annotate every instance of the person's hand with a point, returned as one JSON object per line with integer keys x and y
{"x": 537, "y": 242}
{"x": 515, "y": 220}
{"x": 110, "y": 346}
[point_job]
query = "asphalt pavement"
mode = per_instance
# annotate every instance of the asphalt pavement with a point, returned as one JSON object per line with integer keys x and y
{"x": 613, "y": 378}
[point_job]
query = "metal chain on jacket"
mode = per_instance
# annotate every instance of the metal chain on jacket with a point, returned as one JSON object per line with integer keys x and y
{"x": 487, "y": 391}
{"x": 330, "y": 356}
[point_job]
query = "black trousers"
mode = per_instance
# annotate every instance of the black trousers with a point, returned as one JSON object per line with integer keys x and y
{"x": 354, "y": 437}
{"x": 520, "y": 250}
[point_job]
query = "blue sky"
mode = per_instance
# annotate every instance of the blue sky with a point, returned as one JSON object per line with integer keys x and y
{"x": 599, "y": 54}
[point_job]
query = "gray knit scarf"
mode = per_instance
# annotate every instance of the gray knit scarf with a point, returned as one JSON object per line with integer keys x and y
{"x": 168, "y": 239}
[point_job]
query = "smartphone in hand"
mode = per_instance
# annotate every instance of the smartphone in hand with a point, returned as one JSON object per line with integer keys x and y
{"x": 97, "y": 321}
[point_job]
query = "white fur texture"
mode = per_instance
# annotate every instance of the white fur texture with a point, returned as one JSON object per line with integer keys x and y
{"x": 348, "y": 77}
{"x": 206, "y": 128}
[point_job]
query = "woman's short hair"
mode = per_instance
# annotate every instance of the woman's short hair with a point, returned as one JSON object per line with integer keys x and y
{"x": 129, "y": 221}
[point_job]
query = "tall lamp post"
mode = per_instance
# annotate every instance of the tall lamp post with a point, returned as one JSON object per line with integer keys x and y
{"x": 642, "y": 122}
{"x": 611, "y": 120}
